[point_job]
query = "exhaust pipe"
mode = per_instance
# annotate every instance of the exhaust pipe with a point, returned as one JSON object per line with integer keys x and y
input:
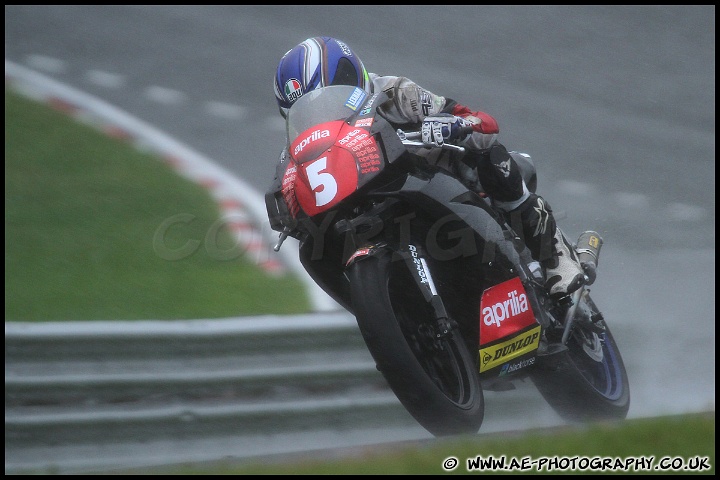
{"x": 588, "y": 252}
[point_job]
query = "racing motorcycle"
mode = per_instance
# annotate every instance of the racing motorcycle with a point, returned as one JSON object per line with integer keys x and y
{"x": 446, "y": 295}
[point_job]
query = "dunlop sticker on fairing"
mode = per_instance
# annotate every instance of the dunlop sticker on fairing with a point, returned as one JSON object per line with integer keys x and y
{"x": 499, "y": 353}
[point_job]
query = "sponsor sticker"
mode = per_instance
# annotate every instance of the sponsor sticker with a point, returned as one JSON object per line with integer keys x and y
{"x": 356, "y": 99}
{"x": 293, "y": 90}
{"x": 288, "y": 190}
{"x": 499, "y": 353}
{"x": 345, "y": 49}
{"x": 360, "y": 252}
{"x": 512, "y": 367}
{"x": 368, "y": 105}
{"x": 314, "y": 136}
{"x": 426, "y": 102}
{"x": 364, "y": 122}
{"x": 504, "y": 310}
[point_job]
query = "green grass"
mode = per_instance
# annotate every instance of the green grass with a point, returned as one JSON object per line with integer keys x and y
{"x": 95, "y": 230}
{"x": 686, "y": 437}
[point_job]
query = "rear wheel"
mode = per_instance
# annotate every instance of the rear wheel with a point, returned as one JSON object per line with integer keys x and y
{"x": 590, "y": 381}
{"x": 434, "y": 377}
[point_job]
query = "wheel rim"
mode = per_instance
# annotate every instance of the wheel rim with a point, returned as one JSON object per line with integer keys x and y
{"x": 605, "y": 376}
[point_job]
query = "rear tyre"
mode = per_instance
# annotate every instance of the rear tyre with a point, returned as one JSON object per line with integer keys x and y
{"x": 590, "y": 381}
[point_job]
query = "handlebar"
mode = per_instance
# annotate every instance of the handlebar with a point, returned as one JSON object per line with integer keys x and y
{"x": 410, "y": 139}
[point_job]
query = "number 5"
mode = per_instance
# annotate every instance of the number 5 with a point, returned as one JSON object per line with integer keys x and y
{"x": 318, "y": 178}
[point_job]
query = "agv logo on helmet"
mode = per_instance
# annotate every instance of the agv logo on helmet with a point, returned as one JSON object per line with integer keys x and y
{"x": 293, "y": 90}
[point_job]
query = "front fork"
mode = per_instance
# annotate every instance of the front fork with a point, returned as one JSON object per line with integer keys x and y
{"x": 414, "y": 258}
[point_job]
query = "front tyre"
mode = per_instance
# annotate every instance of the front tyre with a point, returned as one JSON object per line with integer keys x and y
{"x": 436, "y": 379}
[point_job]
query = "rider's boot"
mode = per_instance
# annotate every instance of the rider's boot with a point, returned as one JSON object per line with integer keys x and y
{"x": 533, "y": 220}
{"x": 563, "y": 272}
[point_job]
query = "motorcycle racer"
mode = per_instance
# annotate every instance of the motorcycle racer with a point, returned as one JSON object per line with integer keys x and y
{"x": 323, "y": 61}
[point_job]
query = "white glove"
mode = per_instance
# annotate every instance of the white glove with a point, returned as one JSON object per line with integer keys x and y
{"x": 439, "y": 128}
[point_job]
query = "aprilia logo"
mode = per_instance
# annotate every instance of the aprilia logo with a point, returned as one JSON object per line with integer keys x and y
{"x": 501, "y": 311}
{"x": 316, "y": 135}
{"x": 505, "y": 309}
{"x": 349, "y": 136}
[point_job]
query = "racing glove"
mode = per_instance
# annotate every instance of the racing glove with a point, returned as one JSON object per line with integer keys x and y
{"x": 441, "y": 127}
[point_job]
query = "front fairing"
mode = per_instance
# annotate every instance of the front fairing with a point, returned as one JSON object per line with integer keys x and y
{"x": 332, "y": 147}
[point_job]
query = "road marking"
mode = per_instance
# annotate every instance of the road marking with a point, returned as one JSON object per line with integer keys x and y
{"x": 685, "y": 212}
{"x": 574, "y": 187}
{"x": 105, "y": 79}
{"x": 225, "y": 110}
{"x": 46, "y": 64}
{"x": 166, "y": 96}
{"x": 636, "y": 201}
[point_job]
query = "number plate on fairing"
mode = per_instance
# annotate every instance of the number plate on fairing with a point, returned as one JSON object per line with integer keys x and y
{"x": 333, "y": 160}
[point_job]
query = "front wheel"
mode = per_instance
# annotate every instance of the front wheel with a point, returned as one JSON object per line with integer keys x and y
{"x": 435, "y": 378}
{"x": 590, "y": 381}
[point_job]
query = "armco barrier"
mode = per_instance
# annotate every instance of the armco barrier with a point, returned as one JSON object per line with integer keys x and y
{"x": 104, "y": 396}
{"x": 73, "y": 390}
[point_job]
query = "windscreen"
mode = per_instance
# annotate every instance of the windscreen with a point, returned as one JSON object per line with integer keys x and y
{"x": 323, "y": 105}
